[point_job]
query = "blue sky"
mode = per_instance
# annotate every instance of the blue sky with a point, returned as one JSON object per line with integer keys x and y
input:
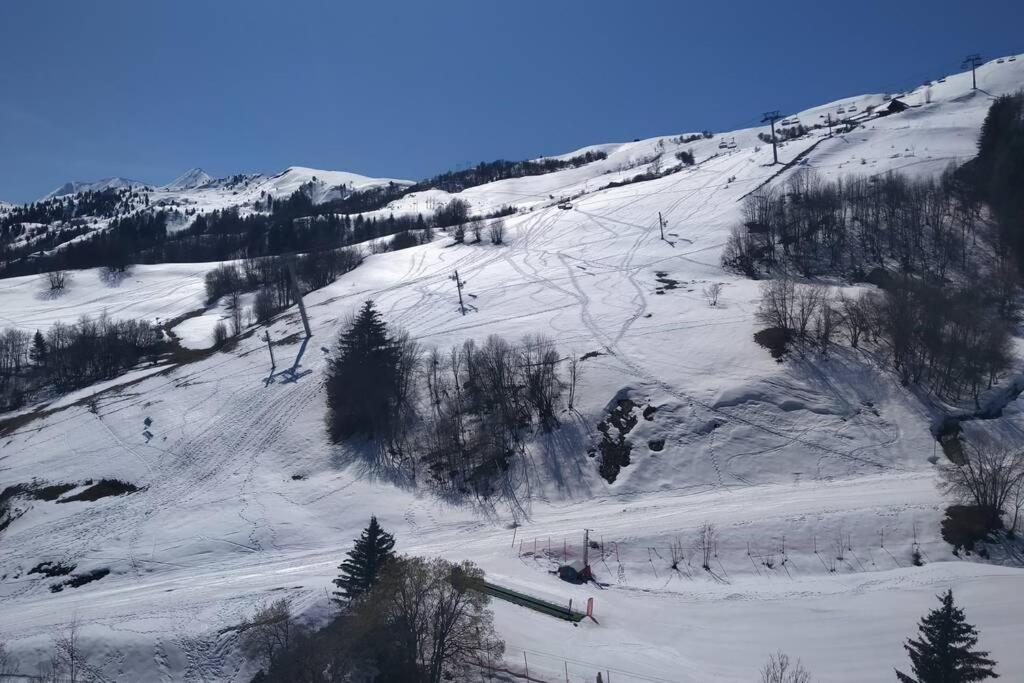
{"x": 148, "y": 89}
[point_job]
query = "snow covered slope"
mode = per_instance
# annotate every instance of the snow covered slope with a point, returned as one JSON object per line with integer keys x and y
{"x": 76, "y": 186}
{"x": 815, "y": 472}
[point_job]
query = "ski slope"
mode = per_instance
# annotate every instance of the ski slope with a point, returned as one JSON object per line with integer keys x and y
{"x": 815, "y": 472}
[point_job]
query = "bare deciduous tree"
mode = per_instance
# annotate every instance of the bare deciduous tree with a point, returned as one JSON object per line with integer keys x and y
{"x": 780, "y": 669}
{"x": 270, "y": 630}
{"x": 440, "y": 627}
{"x": 496, "y": 231}
{"x": 989, "y": 477}
{"x": 711, "y": 293}
{"x": 707, "y": 541}
{"x": 220, "y": 333}
{"x": 235, "y": 312}
{"x": 70, "y": 660}
{"x": 57, "y": 280}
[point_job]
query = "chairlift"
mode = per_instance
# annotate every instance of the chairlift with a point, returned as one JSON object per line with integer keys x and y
{"x": 1012, "y": 59}
{"x": 1000, "y": 60}
{"x": 853, "y": 107}
{"x": 841, "y": 110}
{"x": 732, "y": 144}
{"x": 942, "y": 80}
{"x": 565, "y": 206}
{"x": 723, "y": 145}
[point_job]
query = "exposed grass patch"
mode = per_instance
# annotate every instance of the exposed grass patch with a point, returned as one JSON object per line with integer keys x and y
{"x": 80, "y": 580}
{"x": 52, "y": 569}
{"x": 102, "y": 489}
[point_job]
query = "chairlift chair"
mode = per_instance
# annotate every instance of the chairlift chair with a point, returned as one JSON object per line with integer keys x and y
{"x": 723, "y": 145}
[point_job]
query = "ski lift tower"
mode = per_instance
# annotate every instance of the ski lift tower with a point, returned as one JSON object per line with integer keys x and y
{"x": 772, "y": 117}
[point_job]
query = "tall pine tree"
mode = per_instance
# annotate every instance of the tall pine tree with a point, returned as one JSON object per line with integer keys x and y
{"x": 38, "y": 351}
{"x": 362, "y": 379}
{"x": 945, "y": 651}
{"x": 359, "y": 572}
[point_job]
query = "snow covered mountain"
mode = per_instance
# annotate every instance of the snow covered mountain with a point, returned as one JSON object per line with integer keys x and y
{"x": 816, "y": 474}
{"x": 189, "y": 180}
{"x": 77, "y": 186}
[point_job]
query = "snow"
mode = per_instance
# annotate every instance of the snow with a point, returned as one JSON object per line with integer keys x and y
{"x": 189, "y": 180}
{"x": 76, "y": 186}
{"x": 152, "y": 292}
{"x": 821, "y": 458}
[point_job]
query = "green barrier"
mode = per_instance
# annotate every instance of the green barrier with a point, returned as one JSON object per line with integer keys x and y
{"x": 536, "y": 604}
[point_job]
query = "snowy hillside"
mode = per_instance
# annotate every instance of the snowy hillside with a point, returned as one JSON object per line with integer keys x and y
{"x": 74, "y": 187}
{"x": 815, "y": 473}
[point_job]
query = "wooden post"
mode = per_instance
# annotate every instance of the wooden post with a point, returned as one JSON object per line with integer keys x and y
{"x": 527, "y": 665}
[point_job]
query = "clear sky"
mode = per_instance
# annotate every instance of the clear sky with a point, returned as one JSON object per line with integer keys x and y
{"x": 147, "y": 89}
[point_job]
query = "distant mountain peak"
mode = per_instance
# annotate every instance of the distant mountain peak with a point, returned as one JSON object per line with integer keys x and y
{"x": 190, "y": 179}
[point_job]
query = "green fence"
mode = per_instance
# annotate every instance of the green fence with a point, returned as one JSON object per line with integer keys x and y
{"x": 530, "y": 602}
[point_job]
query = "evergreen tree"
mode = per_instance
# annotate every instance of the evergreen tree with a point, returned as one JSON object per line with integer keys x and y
{"x": 371, "y": 552}
{"x": 945, "y": 651}
{"x": 38, "y": 351}
{"x": 362, "y": 378}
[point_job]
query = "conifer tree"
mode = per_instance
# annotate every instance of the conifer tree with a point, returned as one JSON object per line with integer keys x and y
{"x": 945, "y": 651}
{"x": 38, "y": 351}
{"x": 360, "y": 571}
{"x": 361, "y": 379}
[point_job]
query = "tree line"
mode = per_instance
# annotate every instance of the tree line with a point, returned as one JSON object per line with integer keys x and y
{"x": 950, "y": 341}
{"x": 72, "y": 355}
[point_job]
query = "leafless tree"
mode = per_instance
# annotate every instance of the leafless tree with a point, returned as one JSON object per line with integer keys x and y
{"x": 988, "y": 476}
{"x": 711, "y": 293}
{"x": 778, "y": 300}
{"x": 269, "y": 631}
{"x": 707, "y": 541}
{"x": 855, "y": 312}
{"x": 459, "y": 233}
{"x": 442, "y": 627}
{"x": 806, "y": 303}
{"x": 71, "y": 661}
{"x": 780, "y": 669}
{"x": 235, "y": 311}
{"x": 496, "y": 231}
{"x": 220, "y": 333}
{"x": 477, "y": 229}
{"x": 825, "y": 322}
{"x": 57, "y": 280}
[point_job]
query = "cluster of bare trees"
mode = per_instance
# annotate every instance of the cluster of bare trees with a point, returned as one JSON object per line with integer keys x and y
{"x": 72, "y": 355}
{"x": 314, "y": 270}
{"x": 850, "y": 225}
{"x": 953, "y": 341}
{"x": 480, "y": 398}
{"x": 424, "y": 621}
{"x": 269, "y": 277}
